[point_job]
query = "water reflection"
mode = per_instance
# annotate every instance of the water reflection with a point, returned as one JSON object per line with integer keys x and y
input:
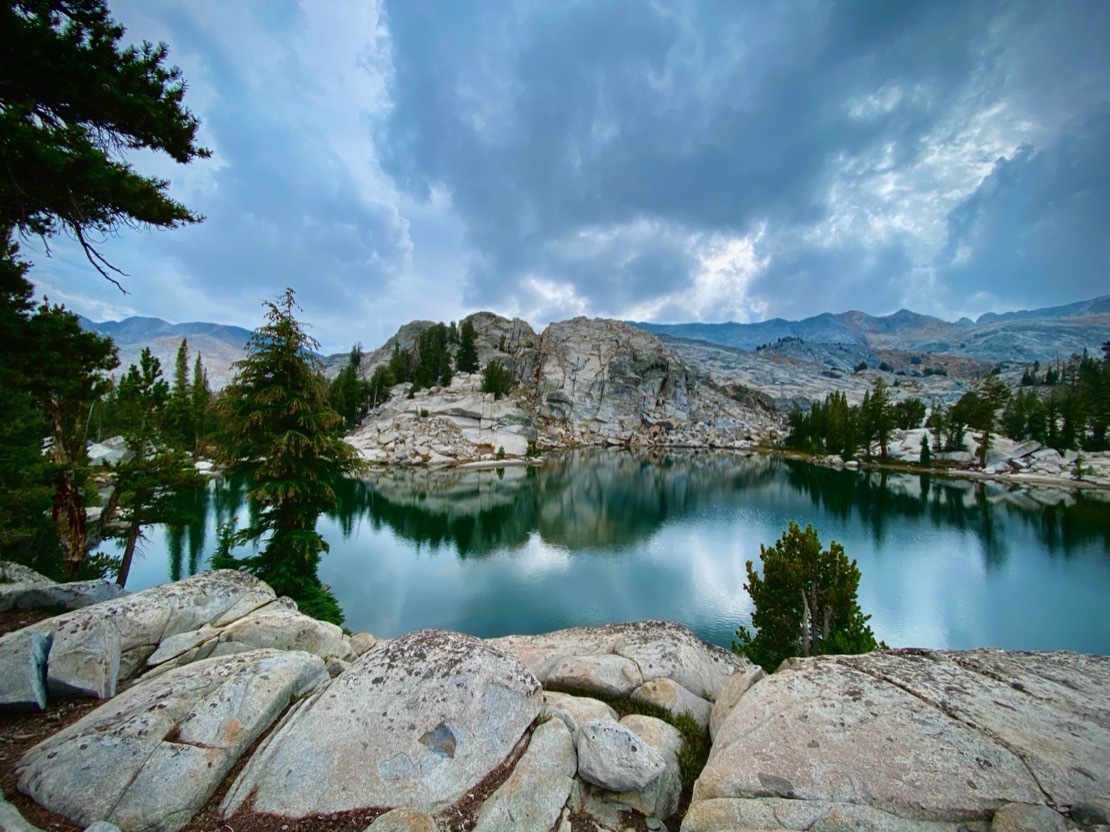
{"x": 617, "y": 500}
{"x": 600, "y": 536}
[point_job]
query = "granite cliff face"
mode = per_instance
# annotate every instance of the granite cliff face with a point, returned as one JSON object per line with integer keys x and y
{"x": 579, "y": 383}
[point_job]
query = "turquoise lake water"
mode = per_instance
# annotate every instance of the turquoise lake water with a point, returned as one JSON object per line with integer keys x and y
{"x": 600, "y": 536}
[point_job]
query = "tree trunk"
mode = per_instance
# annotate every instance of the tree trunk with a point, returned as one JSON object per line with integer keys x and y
{"x": 128, "y": 553}
{"x": 806, "y": 616}
{"x": 69, "y": 518}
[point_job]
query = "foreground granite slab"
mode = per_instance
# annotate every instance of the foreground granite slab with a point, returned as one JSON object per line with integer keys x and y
{"x": 415, "y": 722}
{"x": 909, "y": 740}
{"x": 152, "y": 756}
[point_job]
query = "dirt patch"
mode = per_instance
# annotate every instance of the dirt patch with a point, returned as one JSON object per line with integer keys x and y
{"x": 12, "y": 620}
{"x": 21, "y": 732}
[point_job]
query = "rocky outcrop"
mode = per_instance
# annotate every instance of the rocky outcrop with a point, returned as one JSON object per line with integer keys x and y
{"x": 908, "y": 740}
{"x": 415, "y": 722}
{"x": 94, "y": 647}
{"x": 211, "y": 614}
{"x": 653, "y": 649}
{"x": 22, "y": 588}
{"x": 580, "y": 383}
{"x": 150, "y": 758}
{"x": 23, "y": 670}
{"x": 437, "y": 730}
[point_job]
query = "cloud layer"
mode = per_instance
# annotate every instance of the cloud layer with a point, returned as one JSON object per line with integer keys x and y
{"x": 666, "y": 161}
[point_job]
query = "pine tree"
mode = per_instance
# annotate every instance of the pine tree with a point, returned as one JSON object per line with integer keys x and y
{"x": 284, "y": 437}
{"x": 72, "y": 100}
{"x": 148, "y": 483}
{"x": 200, "y": 402}
{"x": 67, "y": 377}
{"x": 805, "y": 602}
{"x": 178, "y": 413}
{"x": 467, "y": 359}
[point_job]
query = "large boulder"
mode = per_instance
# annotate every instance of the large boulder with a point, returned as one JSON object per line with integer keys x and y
{"x": 657, "y": 650}
{"x": 414, "y": 722}
{"x": 534, "y": 795}
{"x": 69, "y": 596}
{"x": 919, "y": 736}
{"x": 612, "y": 756}
{"x": 23, "y": 656}
{"x": 96, "y": 646}
{"x": 672, "y": 697}
{"x": 277, "y": 624}
{"x": 152, "y": 756}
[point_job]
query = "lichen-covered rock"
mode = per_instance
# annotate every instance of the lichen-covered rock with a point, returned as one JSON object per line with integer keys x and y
{"x": 670, "y": 695}
{"x": 659, "y": 649}
{"x": 575, "y": 710}
{"x": 94, "y": 647}
{"x": 23, "y": 657}
{"x": 277, "y": 624}
{"x": 611, "y": 756}
{"x": 659, "y": 798}
{"x": 70, "y": 596}
{"x": 606, "y": 674}
{"x": 737, "y": 685}
{"x": 922, "y": 736}
{"x": 403, "y": 820}
{"x": 531, "y": 799}
{"x": 152, "y": 756}
{"x": 12, "y": 821}
{"x": 1023, "y": 817}
{"x": 414, "y": 722}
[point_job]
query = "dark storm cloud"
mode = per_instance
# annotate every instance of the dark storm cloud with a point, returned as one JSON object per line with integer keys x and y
{"x": 1038, "y": 225}
{"x": 707, "y": 118}
{"x": 288, "y": 212}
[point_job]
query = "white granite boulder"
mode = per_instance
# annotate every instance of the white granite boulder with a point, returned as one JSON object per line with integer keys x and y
{"x": 277, "y": 624}
{"x": 575, "y": 710}
{"x": 910, "y": 737}
{"x": 670, "y": 695}
{"x": 660, "y": 797}
{"x": 611, "y": 756}
{"x": 533, "y": 796}
{"x": 152, "y": 756}
{"x": 96, "y": 646}
{"x": 414, "y": 722}
{"x": 658, "y": 649}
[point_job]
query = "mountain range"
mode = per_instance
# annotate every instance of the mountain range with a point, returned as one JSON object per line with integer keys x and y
{"x": 820, "y": 345}
{"x": 1024, "y": 337}
{"x": 219, "y": 345}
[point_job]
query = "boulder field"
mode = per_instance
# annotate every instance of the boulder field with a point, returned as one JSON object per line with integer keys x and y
{"x": 216, "y": 692}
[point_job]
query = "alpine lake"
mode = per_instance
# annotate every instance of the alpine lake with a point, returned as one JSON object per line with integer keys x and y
{"x": 598, "y": 536}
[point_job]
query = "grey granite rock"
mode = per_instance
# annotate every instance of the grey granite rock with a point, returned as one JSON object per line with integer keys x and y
{"x": 23, "y": 658}
{"x": 94, "y": 647}
{"x": 611, "y": 756}
{"x": 946, "y": 737}
{"x": 414, "y": 722}
{"x": 152, "y": 756}
{"x": 531, "y": 799}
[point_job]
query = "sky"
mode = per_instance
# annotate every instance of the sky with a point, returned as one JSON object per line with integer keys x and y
{"x": 643, "y": 160}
